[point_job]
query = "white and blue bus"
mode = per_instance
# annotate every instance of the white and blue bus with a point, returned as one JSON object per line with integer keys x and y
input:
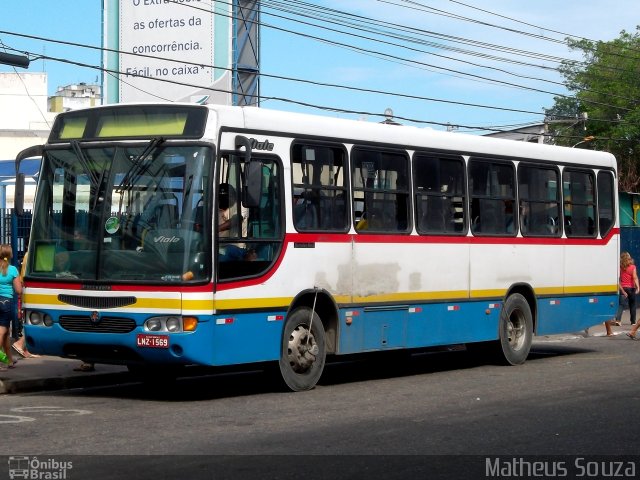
{"x": 170, "y": 234}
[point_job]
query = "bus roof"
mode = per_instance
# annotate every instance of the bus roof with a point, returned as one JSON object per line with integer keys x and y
{"x": 289, "y": 124}
{"x": 410, "y": 137}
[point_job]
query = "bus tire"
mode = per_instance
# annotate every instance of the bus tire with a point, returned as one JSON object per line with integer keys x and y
{"x": 515, "y": 333}
{"x": 516, "y": 330}
{"x": 302, "y": 356}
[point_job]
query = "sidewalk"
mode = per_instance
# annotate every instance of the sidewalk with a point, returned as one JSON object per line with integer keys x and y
{"x": 54, "y": 373}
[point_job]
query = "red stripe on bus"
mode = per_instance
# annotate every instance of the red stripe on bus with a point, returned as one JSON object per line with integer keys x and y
{"x": 292, "y": 238}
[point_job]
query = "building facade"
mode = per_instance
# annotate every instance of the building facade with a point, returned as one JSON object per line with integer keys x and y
{"x": 73, "y": 97}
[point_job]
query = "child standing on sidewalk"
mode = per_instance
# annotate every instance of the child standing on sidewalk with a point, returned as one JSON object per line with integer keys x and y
{"x": 10, "y": 284}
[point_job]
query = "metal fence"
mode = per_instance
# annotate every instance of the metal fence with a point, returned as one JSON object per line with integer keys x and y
{"x": 630, "y": 241}
{"x": 15, "y": 230}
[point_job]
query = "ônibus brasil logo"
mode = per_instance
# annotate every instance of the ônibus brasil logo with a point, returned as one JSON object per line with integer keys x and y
{"x": 38, "y": 469}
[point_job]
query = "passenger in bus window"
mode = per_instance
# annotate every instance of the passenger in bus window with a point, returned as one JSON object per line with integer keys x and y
{"x": 226, "y": 199}
{"x": 228, "y": 226}
{"x": 362, "y": 224}
{"x": 508, "y": 209}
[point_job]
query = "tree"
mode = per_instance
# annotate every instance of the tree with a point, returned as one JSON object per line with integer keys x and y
{"x": 605, "y": 104}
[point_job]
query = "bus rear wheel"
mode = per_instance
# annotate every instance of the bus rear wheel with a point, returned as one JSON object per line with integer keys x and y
{"x": 303, "y": 350}
{"x": 515, "y": 333}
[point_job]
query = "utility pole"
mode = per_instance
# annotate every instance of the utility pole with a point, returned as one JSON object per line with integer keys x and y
{"x": 584, "y": 116}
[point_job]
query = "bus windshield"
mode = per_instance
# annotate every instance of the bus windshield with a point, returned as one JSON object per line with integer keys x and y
{"x": 123, "y": 213}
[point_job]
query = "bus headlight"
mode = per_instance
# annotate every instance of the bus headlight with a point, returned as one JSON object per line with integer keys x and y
{"x": 173, "y": 324}
{"x": 153, "y": 325}
{"x": 35, "y": 318}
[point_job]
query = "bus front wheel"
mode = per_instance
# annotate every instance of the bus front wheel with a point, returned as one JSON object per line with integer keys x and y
{"x": 303, "y": 350}
{"x": 516, "y": 330}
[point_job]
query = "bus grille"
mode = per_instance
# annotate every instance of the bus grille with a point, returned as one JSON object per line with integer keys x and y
{"x": 96, "y": 302}
{"x": 105, "y": 325}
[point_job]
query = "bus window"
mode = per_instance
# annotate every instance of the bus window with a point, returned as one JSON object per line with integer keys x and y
{"x": 380, "y": 190}
{"x": 248, "y": 239}
{"x": 539, "y": 201}
{"x": 319, "y": 187}
{"x": 440, "y": 196}
{"x": 606, "y": 202}
{"x": 492, "y": 190}
{"x": 579, "y": 207}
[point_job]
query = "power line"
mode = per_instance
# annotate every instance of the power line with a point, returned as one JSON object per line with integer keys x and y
{"x": 297, "y": 102}
{"x": 410, "y": 62}
{"x": 519, "y": 21}
{"x": 281, "y": 99}
{"x": 434, "y": 54}
{"x": 26, "y": 89}
{"x": 280, "y": 77}
{"x": 332, "y": 85}
{"x": 307, "y": 104}
{"x": 532, "y": 25}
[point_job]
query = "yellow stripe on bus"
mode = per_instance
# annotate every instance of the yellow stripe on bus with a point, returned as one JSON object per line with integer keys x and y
{"x": 592, "y": 289}
{"x": 242, "y": 303}
{"x": 155, "y": 303}
{"x": 169, "y": 303}
{"x": 34, "y": 299}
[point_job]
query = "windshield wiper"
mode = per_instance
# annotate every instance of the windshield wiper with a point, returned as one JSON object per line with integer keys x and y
{"x": 75, "y": 145}
{"x": 140, "y": 165}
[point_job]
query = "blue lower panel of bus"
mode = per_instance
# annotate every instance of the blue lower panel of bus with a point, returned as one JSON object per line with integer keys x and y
{"x": 573, "y": 314}
{"x": 416, "y": 326}
{"x": 256, "y": 337}
{"x": 224, "y": 340}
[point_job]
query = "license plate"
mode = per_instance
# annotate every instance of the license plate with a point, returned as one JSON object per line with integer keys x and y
{"x": 152, "y": 341}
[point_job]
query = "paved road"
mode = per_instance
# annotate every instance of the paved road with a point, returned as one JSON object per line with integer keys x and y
{"x": 577, "y": 396}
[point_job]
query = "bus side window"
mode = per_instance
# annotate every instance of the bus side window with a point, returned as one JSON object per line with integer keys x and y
{"x": 319, "y": 187}
{"x": 606, "y": 202}
{"x": 579, "y": 205}
{"x": 380, "y": 180}
{"x": 492, "y": 190}
{"x": 439, "y": 186}
{"x": 539, "y": 200}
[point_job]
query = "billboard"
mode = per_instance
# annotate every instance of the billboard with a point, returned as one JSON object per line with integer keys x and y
{"x": 167, "y": 50}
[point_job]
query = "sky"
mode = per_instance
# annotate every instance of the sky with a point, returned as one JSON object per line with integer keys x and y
{"x": 434, "y": 82}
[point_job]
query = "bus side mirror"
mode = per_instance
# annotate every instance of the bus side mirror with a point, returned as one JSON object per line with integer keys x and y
{"x": 252, "y": 177}
{"x": 253, "y": 184}
{"x": 18, "y": 198}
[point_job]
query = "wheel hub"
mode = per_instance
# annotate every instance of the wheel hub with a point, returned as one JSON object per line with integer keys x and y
{"x": 515, "y": 331}
{"x": 301, "y": 349}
